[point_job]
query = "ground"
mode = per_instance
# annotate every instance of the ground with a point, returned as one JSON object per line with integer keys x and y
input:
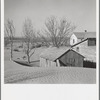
{"x": 22, "y": 74}
{"x": 15, "y": 73}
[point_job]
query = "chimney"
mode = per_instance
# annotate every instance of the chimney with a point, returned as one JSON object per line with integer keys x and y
{"x": 85, "y": 30}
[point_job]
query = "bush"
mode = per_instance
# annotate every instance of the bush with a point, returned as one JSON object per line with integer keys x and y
{"x": 39, "y": 45}
{"x": 16, "y": 50}
{"x": 32, "y": 47}
{"x": 21, "y": 46}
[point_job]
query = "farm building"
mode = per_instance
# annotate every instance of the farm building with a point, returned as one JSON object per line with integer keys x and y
{"x": 63, "y": 56}
{"x": 79, "y": 36}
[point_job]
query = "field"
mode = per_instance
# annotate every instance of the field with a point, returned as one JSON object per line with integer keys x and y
{"x": 19, "y": 74}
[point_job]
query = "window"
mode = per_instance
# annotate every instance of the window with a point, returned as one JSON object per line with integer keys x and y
{"x": 77, "y": 49}
{"x": 91, "y": 42}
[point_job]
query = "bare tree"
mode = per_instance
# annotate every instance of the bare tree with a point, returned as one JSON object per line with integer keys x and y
{"x": 43, "y": 38}
{"x": 9, "y": 31}
{"x": 30, "y": 37}
{"x": 6, "y": 41}
{"x": 57, "y": 31}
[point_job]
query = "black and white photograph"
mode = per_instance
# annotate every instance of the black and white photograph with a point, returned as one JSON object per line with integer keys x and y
{"x": 50, "y": 42}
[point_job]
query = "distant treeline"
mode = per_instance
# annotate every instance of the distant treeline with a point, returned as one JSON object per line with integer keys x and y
{"x": 22, "y": 39}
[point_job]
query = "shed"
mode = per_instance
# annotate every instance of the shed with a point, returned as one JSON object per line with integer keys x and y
{"x": 63, "y": 56}
{"x": 91, "y": 36}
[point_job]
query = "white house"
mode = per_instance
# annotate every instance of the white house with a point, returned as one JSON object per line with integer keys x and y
{"x": 73, "y": 39}
{"x": 76, "y": 37}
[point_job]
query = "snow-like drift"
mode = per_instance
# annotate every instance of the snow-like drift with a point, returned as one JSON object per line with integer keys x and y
{"x": 15, "y": 73}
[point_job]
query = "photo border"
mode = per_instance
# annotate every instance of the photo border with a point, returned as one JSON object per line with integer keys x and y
{"x": 2, "y": 60}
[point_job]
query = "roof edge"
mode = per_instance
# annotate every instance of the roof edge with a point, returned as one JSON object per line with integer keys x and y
{"x": 68, "y": 51}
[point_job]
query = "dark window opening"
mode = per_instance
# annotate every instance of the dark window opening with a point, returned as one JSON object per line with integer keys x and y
{"x": 77, "y": 49}
{"x": 91, "y": 42}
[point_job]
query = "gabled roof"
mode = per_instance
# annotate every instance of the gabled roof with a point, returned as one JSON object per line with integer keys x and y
{"x": 84, "y": 35}
{"x": 53, "y": 53}
{"x": 80, "y": 35}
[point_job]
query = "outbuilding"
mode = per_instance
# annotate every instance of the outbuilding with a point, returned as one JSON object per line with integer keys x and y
{"x": 91, "y": 36}
{"x": 63, "y": 56}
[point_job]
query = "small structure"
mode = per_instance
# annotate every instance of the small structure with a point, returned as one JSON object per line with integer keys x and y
{"x": 91, "y": 36}
{"x": 62, "y": 56}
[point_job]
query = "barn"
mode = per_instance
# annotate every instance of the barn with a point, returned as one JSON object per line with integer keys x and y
{"x": 63, "y": 56}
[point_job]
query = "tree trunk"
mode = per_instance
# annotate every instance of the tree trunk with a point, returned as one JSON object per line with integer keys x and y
{"x": 28, "y": 58}
{"x": 11, "y": 50}
{"x": 28, "y": 52}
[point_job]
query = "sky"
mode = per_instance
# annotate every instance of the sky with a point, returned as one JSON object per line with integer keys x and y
{"x": 82, "y": 13}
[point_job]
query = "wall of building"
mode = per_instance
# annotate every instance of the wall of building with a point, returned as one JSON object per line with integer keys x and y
{"x": 72, "y": 59}
{"x": 42, "y": 62}
{"x": 81, "y": 46}
{"x": 46, "y": 63}
{"x": 73, "y": 39}
{"x": 92, "y": 42}
{"x": 79, "y": 40}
